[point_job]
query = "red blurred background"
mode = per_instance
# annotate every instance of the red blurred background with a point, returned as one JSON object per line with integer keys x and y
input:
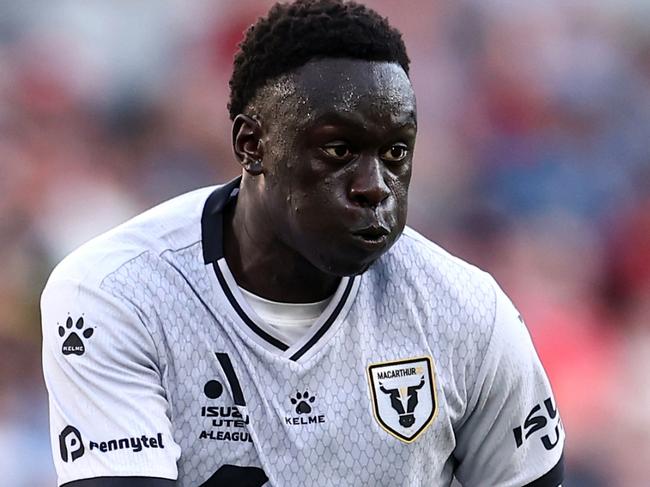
{"x": 533, "y": 162}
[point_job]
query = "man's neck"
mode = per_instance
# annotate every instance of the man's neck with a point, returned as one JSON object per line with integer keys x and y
{"x": 264, "y": 265}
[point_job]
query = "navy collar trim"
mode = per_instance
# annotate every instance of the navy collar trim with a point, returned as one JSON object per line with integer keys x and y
{"x": 212, "y": 243}
{"x": 212, "y": 220}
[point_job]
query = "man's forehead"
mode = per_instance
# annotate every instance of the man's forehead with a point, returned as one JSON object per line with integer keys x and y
{"x": 342, "y": 84}
{"x": 345, "y": 86}
{"x": 334, "y": 74}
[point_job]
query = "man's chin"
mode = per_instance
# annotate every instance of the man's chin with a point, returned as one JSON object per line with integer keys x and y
{"x": 346, "y": 268}
{"x": 351, "y": 260}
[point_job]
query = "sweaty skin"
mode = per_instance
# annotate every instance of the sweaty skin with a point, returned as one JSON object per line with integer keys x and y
{"x": 326, "y": 153}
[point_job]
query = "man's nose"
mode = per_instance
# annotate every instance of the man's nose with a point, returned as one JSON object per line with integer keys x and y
{"x": 368, "y": 188}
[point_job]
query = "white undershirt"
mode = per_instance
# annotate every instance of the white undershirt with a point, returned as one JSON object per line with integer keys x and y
{"x": 291, "y": 320}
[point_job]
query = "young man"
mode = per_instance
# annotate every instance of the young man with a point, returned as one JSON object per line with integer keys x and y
{"x": 286, "y": 328}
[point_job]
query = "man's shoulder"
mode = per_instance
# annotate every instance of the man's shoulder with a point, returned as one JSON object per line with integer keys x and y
{"x": 437, "y": 276}
{"x": 418, "y": 253}
{"x": 171, "y": 225}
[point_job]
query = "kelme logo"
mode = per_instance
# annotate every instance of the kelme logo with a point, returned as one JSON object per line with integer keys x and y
{"x": 73, "y": 343}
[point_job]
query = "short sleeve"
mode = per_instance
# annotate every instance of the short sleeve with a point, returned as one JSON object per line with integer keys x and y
{"x": 109, "y": 415}
{"x": 513, "y": 436}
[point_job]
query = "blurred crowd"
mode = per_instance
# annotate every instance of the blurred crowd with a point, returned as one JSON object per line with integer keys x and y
{"x": 533, "y": 162}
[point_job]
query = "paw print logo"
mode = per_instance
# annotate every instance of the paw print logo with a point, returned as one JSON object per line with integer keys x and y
{"x": 302, "y": 401}
{"x": 73, "y": 345}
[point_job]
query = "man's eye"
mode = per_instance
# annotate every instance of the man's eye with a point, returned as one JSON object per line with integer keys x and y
{"x": 395, "y": 153}
{"x": 337, "y": 151}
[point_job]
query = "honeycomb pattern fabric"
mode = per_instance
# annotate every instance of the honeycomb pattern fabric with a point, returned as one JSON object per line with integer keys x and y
{"x": 311, "y": 421}
{"x": 411, "y": 303}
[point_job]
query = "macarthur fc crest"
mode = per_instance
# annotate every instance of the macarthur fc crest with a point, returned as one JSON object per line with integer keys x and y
{"x": 403, "y": 396}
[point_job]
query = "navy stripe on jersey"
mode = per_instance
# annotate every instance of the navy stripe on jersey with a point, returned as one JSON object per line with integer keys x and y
{"x": 251, "y": 324}
{"x": 235, "y": 387}
{"x": 328, "y": 323}
{"x": 121, "y": 481}
{"x": 236, "y": 476}
{"x": 553, "y": 478}
{"x": 212, "y": 220}
{"x": 212, "y": 241}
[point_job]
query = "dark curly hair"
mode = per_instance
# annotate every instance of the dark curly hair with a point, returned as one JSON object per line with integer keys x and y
{"x": 292, "y": 34}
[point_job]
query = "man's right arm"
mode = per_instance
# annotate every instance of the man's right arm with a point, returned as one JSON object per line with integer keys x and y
{"x": 109, "y": 415}
{"x": 513, "y": 434}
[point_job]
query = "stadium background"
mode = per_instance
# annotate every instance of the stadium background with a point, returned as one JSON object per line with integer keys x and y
{"x": 533, "y": 161}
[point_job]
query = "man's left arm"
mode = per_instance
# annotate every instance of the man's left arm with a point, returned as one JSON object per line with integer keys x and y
{"x": 512, "y": 435}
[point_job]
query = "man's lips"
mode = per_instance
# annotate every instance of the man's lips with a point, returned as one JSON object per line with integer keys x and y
{"x": 372, "y": 232}
{"x": 373, "y": 236}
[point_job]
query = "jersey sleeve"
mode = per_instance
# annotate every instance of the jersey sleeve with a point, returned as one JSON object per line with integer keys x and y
{"x": 109, "y": 415}
{"x": 513, "y": 436}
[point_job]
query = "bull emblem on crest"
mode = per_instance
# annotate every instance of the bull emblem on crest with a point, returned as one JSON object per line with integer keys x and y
{"x": 397, "y": 397}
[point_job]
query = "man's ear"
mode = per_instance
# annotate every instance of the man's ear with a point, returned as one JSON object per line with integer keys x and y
{"x": 247, "y": 143}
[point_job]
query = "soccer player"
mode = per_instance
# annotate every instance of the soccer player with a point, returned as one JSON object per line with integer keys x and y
{"x": 286, "y": 328}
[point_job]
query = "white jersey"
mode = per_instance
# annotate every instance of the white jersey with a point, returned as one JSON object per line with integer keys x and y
{"x": 417, "y": 371}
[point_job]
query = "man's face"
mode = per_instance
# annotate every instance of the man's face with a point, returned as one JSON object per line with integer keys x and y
{"x": 338, "y": 138}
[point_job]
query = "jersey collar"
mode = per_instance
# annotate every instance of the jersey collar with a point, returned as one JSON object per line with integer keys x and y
{"x": 212, "y": 220}
{"x": 253, "y": 326}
